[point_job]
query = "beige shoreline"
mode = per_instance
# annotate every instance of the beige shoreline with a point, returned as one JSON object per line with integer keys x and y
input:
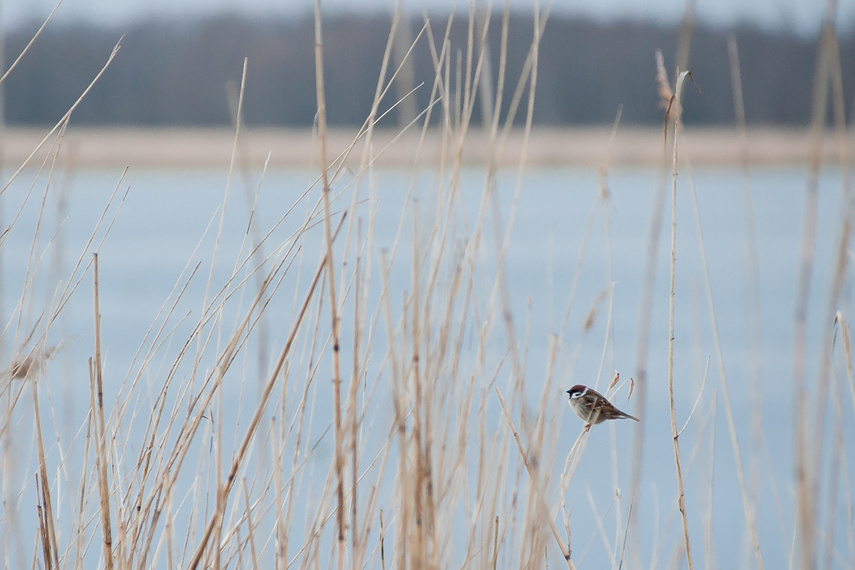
{"x": 173, "y": 147}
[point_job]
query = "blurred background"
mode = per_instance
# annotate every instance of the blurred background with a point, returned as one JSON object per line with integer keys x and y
{"x": 179, "y": 58}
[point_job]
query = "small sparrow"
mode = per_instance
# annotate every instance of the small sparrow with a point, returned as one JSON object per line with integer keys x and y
{"x": 593, "y": 407}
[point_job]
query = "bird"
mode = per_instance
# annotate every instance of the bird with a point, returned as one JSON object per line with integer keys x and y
{"x": 593, "y": 407}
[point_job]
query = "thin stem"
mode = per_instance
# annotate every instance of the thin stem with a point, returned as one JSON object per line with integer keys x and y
{"x": 675, "y": 436}
{"x": 322, "y": 136}
{"x": 98, "y": 404}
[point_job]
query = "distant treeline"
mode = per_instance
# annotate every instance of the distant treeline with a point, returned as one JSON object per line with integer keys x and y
{"x": 171, "y": 73}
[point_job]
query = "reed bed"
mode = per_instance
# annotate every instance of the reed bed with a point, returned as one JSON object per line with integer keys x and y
{"x": 314, "y": 396}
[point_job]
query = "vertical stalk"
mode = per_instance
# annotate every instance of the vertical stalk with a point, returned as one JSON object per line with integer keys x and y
{"x": 322, "y": 134}
{"x": 676, "y": 110}
{"x": 47, "y": 529}
{"x": 808, "y": 443}
{"x": 100, "y": 436}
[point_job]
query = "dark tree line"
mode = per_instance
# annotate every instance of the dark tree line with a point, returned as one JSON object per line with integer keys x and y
{"x": 177, "y": 73}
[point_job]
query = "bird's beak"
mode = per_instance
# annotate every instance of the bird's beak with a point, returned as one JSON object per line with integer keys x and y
{"x": 568, "y": 391}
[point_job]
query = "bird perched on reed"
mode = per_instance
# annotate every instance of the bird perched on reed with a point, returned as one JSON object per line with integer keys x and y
{"x": 593, "y": 407}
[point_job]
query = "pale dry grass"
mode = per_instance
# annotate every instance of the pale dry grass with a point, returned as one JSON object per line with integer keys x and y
{"x": 434, "y": 449}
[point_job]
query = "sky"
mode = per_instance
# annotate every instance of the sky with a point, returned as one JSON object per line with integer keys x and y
{"x": 802, "y": 16}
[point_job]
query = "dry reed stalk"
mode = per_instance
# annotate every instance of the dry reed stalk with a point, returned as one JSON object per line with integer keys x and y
{"x": 601, "y": 527}
{"x": 250, "y": 526}
{"x": 64, "y": 120}
{"x": 97, "y": 410}
{"x": 839, "y": 276}
{"x": 809, "y": 443}
{"x": 399, "y": 425}
{"x": 300, "y": 421}
{"x": 358, "y": 547}
{"x": 846, "y": 340}
{"x": 495, "y": 558}
{"x": 572, "y": 462}
{"x": 674, "y": 113}
{"x": 330, "y": 271}
{"x": 804, "y": 470}
{"x": 32, "y": 262}
{"x": 382, "y": 543}
{"x": 709, "y": 543}
{"x": 221, "y": 496}
{"x": 422, "y": 539}
{"x": 211, "y": 387}
{"x": 839, "y": 461}
{"x": 47, "y": 525}
{"x": 235, "y": 100}
{"x": 80, "y": 519}
{"x": 78, "y": 272}
{"x": 31, "y": 42}
{"x": 44, "y": 533}
{"x": 847, "y": 350}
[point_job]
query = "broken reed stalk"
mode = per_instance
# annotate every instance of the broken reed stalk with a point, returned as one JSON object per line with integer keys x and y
{"x": 46, "y": 528}
{"x": 43, "y": 531}
{"x": 675, "y": 110}
{"x": 322, "y": 136}
{"x": 495, "y": 559}
{"x": 97, "y": 408}
{"x": 382, "y": 543}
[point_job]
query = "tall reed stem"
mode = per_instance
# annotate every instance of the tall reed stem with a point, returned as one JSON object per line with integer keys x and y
{"x": 100, "y": 435}
{"x": 339, "y": 436}
{"x": 681, "y": 502}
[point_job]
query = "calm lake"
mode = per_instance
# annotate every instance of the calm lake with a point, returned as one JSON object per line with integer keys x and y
{"x": 573, "y": 275}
